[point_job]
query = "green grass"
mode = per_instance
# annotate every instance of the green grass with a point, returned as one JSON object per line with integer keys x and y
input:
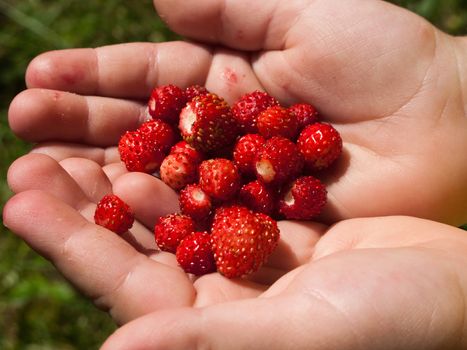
{"x": 38, "y": 308}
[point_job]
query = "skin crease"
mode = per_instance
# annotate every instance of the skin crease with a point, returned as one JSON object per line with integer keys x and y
{"x": 392, "y": 85}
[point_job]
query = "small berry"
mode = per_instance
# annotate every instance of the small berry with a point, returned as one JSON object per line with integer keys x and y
{"x": 194, "y": 254}
{"x": 278, "y": 161}
{"x": 166, "y": 102}
{"x": 138, "y": 153}
{"x": 184, "y": 147}
{"x": 242, "y": 240}
{"x": 195, "y": 203}
{"x": 320, "y": 144}
{"x": 277, "y": 121}
{"x": 258, "y": 197}
{"x": 248, "y": 107}
{"x": 244, "y": 153}
{"x": 178, "y": 170}
{"x": 303, "y": 199}
{"x": 158, "y": 133}
{"x": 306, "y": 114}
{"x": 207, "y": 124}
{"x": 114, "y": 214}
{"x": 219, "y": 178}
{"x": 171, "y": 229}
{"x": 195, "y": 90}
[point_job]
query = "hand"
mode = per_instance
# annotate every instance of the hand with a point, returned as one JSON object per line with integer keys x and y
{"x": 375, "y": 283}
{"x": 390, "y": 82}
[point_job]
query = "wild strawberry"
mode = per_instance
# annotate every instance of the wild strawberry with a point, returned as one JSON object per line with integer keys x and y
{"x": 306, "y": 114}
{"x": 195, "y": 90}
{"x": 303, "y": 199}
{"x": 219, "y": 178}
{"x": 114, "y": 214}
{"x": 138, "y": 154}
{"x": 244, "y": 153}
{"x": 158, "y": 133}
{"x": 320, "y": 144}
{"x": 194, "y": 254}
{"x": 248, "y": 107}
{"x": 195, "y": 203}
{"x": 278, "y": 161}
{"x": 207, "y": 124}
{"x": 277, "y": 121}
{"x": 242, "y": 240}
{"x": 258, "y": 197}
{"x": 166, "y": 102}
{"x": 178, "y": 170}
{"x": 171, "y": 229}
{"x": 184, "y": 147}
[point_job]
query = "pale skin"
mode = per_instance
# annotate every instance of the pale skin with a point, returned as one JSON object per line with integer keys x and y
{"x": 393, "y": 85}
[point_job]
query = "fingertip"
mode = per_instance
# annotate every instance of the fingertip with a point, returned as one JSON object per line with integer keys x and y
{"x": 25, "y": 170}
{"x": 60, "y": 69}
{"x": 19, "y": 113}
{"x": 38, "y": 69}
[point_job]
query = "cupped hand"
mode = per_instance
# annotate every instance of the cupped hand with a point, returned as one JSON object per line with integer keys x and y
{"x": 391, "y": 83}
{"x": 53, "y": 212}
{"x": 371, "y": 283}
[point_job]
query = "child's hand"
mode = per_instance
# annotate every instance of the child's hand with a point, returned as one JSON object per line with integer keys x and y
{"x": 390, "y": 82}
{"x": 375, "y": 283}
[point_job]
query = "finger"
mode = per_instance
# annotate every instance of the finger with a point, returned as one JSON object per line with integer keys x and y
{"x": 124, "y": 70}
{"x": 231, "y": 75}
{"x": 40, "y": 115}
{"x": 89, "y": 185}
{"x": 147, "y": 195}
{"x": 241, "y": 24}
{"x": 40, "y": 172}
{"x": 100, "y": 263}
{"x": 89, "y": 176}
{"x": 60, "y": 151}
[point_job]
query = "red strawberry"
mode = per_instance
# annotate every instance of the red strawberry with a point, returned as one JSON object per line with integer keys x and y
{"x": 138, "y": 153}
{"x": 166, "y": 102}
{"x": 195, "y": 90}
{"x": 278, "y": 161}
{"x": 114, "y": 214}
{"x": 184, "y": 147}
{"x": 178, "y": 170}
{"x": 195, "y": 203}
{"x": 171, "y": 229}
{"x": 277, "y": 121}
{"x": 207, "y": 124}
{"x": 320, "y": 144}
{"x": 303, "y": 199}
{"x": 242, "y": 240}
{"x": 306, "y": 114}
{"x": 248, "y": 107}
{"x": 258, "y": 197}
{"x": 159, "y": 133}
{"x": 194, "y": 254}
{"x": 245, "y": 151}
{"x": 219, "y": 178}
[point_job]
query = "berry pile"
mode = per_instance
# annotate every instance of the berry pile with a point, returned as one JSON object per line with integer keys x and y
{"x": 237, "y": 169}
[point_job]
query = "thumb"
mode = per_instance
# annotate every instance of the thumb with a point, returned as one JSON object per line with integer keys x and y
{"x": 264, "y": 323}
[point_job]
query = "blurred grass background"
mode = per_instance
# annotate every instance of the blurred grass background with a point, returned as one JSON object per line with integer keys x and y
{"x": 39, "y": 310}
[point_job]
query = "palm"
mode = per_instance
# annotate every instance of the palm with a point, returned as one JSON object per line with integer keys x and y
{"x": 363, "y": 288}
